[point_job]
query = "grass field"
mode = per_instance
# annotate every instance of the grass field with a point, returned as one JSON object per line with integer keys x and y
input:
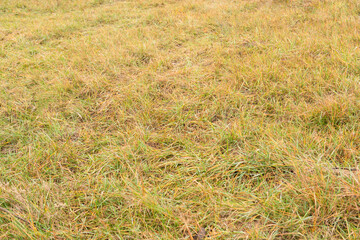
{"x": 153, "y": 119}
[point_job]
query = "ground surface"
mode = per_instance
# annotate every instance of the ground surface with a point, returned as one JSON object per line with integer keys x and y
{"x": 151, "y": 119}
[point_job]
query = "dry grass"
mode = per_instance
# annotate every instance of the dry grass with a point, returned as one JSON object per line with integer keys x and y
{"x": 152, "y": 119}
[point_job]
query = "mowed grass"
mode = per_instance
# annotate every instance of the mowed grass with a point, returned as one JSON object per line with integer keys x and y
{"x": 152, "y": 119}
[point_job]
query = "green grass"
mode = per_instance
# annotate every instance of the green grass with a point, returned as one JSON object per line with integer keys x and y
{"x": 152, "y": 119}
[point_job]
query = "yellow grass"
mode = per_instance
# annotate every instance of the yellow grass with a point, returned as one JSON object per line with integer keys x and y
{"x": 152, "y": 119}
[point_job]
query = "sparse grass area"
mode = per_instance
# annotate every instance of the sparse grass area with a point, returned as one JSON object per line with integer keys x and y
{"x": 149, "y": 119}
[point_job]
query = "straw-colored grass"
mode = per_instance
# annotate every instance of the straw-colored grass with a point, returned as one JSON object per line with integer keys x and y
{"x": 153, "y": 119}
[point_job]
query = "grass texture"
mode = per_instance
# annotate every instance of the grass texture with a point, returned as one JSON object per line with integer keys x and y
{"x": 154, "y": 119}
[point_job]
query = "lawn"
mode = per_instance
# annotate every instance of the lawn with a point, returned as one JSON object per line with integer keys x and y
{"x": 159, "y": 119}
